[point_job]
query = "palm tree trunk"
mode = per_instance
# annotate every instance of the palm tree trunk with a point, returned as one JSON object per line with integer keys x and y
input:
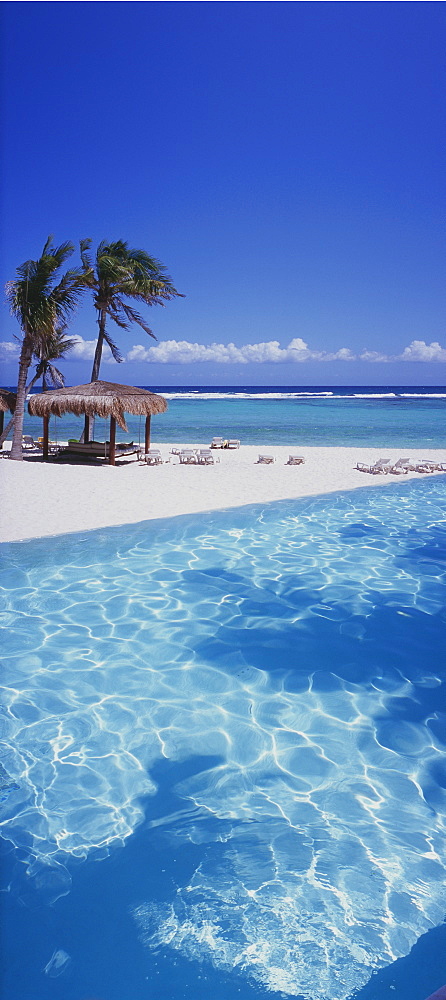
{"x": 7, "y": 429}
{"x": 89, "y": 421}
{"x": 24, "y": 363}
{"x": 99, "y": 345}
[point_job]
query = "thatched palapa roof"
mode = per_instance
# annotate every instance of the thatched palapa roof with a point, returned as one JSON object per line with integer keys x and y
{"x": 98, "y": 399}
{"x": 7, "y": 400}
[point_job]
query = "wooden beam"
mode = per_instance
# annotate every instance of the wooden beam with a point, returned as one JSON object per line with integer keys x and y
{"x": 46, "y": 436}
{"x": 147, "y": 434}
{"x": 112, "y": 445}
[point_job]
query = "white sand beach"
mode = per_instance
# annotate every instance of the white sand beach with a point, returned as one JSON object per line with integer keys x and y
{"x": 43, "y": 499}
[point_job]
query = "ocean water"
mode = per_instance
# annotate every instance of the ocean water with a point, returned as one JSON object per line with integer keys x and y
{"x": 387, "y": 416}
{"x": 224, "y": 754}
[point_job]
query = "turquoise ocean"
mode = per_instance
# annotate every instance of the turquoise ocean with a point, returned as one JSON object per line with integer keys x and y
{"x": 392, "y": 416}
{"x": 223, "y": 736}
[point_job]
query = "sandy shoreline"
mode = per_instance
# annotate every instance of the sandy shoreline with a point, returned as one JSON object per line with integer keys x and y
{"x": 40, "y": 499}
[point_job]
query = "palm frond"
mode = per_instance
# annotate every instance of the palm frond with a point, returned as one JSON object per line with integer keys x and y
{"x": 69, "y": 290}
{"x": 35, "y": 300}
{"x": 56, "y": 377}
{"x": 116, "y": 354}
{"x": 47, "y": 246}
{"x": 117, "y": 318}
{"x": 135, "y": 317}
{"x": 84, "y": 246}
{"x": 123, "y": 273}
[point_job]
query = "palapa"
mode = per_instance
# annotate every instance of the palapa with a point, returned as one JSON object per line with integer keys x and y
{"x": 7, "y": 402}
{"x": 99, "y": 399}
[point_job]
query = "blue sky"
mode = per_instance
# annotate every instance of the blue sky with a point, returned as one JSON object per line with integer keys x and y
{"x": 285, "y": 161}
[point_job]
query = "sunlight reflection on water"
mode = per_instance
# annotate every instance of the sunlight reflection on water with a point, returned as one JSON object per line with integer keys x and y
{"x": 299, "y": 644}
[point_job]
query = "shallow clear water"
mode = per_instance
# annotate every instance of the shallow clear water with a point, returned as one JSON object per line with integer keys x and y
{"x": 224, "y": 762}
{"x": 389, "y": 416}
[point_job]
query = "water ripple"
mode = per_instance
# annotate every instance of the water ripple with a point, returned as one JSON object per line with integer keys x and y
{"x": 298, "y": 645}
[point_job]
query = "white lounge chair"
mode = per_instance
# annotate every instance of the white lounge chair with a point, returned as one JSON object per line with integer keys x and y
{"x": 218, "y": 442}
{"x": 296, "y": 460}
{"x": 400, "y": 467}
{"x": 188, "y": 457}
{"x": 429, "y": 464}
{"x": 421, "y": 465}
{"x": 265, "y": 460}
{"x": 53, "y": 447}
{"x": 233, "y": 443}
{"x": 382, "y": 465}
{"x": 29, "y": 444}
{"x": 152, "y": 457}
{"x": 205, "y": 457}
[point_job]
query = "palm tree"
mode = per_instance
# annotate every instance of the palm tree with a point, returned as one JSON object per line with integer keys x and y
{"x": 55, "y": 347}
{"x": 119, "y": 274}
{"x": 41, "y": 307}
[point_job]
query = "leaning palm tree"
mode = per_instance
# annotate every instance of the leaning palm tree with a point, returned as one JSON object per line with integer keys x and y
{"x": 40, "y": 306}
{"x": 118, "y": 274}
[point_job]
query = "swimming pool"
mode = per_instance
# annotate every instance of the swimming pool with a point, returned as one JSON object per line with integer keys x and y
{"x": 224, "y": 753}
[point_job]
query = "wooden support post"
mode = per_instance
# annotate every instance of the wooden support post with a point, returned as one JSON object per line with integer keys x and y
{"x": 2, "y": 418}
{"x": 147, "y": 434}
{"x": 88, "y": 431}
{"x": 112, "y": 445}
{"x": 46, "y": 437}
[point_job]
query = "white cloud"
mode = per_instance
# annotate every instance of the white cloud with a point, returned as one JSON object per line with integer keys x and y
{"x": 184, "y": 352}
{"x": 373, "y": 356}
{"x": 9, "y": 351}
{"x": 418, "y": 350}
{"x": 84, "y": 351}
{"x": 344, "y": 354}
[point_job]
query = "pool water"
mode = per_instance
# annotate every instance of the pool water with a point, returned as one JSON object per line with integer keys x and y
{"x": 223, "y": 768}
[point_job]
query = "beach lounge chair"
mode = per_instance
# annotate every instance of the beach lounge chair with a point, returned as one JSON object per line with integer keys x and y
{"x": 205, "y": 457}
{"x": 418, "y": 465}
{"x": 265, "y": 460}
{"x": 426, "y": 465}
{"x": 53, "y": 447}
{"x": 218, "y": 443}
{"x": 188, "y": 457}
{"x": 382, "y": 465}
{"x": 152, "y": 457}
{"x": 295, "y": 460}
{"x": 29, "y": 444}
{"x": 400, "y": 467}
{"x": 233, "y": 443}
